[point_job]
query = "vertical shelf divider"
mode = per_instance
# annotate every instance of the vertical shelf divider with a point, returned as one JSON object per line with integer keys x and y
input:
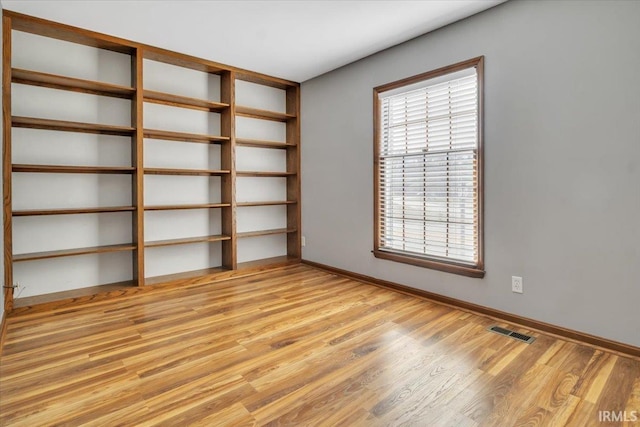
{"x": 294, "y": 213}
{"x": 6, "y": 163}
{"x": 137, "y": 161}
{"x": 228, "y": 162}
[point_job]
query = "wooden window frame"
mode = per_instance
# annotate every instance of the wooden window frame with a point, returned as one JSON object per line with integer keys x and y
{"x": 476, "y": 270}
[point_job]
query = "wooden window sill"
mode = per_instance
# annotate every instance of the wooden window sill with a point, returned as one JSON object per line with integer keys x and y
{"x": 469, "y": 271}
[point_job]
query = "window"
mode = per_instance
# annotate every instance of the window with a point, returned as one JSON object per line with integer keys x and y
{"x": 428, "y": 169}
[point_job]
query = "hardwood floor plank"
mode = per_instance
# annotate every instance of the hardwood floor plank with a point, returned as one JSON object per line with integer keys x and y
{"x": 505, "y": 379}
{"x": 449, "y": 367}
{"x": 313, "y": 350}
{"x": 552, "y": 352}
{"x": 509, "y": 409}
{"x": 103, "y": 402}
{"x": 284, "y": 333}
{"x": 314, "y": 381}
{"x": 200, "y": 352}
{"x": 564, "y": 369}
{"x": 40, "y": 359}
{"x": 235, "y": 415}
{"x": 584, "y": 415}
{"x": 126, "y": 416}
{"x": 509, "y": 351}
{"x": 67, "y": 407}
{"x": 572, "y": 369}
{"x": 152, "y": 345}
{"x": 297, "y": 346}
{"x": 533, "y": 416}
{"x": 317, "y": 408}
{"x": 619, "y": 387}
{"x": 446, "y": 408}
{"x": 564, "y": 413}
{"x": 633, "y": 403}
{"x": 62, "y": 335}
{"x": 599, "y": 380}
{"x": 45, "y": 395}
{"x": 54, "y": 379}
{"x": 190, "y": 372}
{"x": 321, "y": 363}
{"x": 343, "y": 416}
{"x": 196, "y": 402}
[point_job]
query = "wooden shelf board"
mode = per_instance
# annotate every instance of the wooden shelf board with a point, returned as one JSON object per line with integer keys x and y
{"x": 185, "y": 241}
{"x": 258, "y": 143}
{"x": 183, "y": 136}
{"x": 61, "y": 125}
{"x": 193, "y": 172}
{"x": 73, "y": 169}
{"x": 264, "y": 174}
{"x": 208, "y": 275}
{"x": 73, "y": 252}
{"x": 155, "y": 280}
{"x": 191, "y": 206}
{"x": 268, "y": 262}
{"x": 42, "y": 27}
{"x": 183, "y": 101}
{"x": 265, "y": 80}
{"x": 93, "y": 294}
{"x": 182, "y": 60}
{"x": 266, "y": 232}
{"x": 36, "y": 78}
{"x": 70, "y": 211}
{"x": 266, "y": 203}
{"x": 257, "y": 113}
{"x": 71, "y": 298}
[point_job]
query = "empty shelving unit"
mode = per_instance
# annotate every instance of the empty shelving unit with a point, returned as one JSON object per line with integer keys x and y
{"x": 128, "y": 165}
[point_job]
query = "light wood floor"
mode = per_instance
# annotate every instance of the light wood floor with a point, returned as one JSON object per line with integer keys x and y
{"x": 298, "y": 346}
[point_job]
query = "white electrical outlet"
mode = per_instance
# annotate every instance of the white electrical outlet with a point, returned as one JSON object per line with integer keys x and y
{"x": 516, "y": 284}
{"x": 304, "y": 241}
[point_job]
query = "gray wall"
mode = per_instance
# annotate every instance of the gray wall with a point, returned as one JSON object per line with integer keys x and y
{"x": 562, "y": 150}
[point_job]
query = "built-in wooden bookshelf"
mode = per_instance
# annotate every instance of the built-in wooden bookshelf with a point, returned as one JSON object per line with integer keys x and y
{"x": 224, "y": 176}
{"x": 290, "y": 118}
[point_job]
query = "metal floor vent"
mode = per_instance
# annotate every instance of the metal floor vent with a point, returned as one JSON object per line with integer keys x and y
{"x": 515, "y": 335}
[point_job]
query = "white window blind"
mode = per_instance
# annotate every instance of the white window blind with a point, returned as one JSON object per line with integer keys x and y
{"x": 428, "y": 164}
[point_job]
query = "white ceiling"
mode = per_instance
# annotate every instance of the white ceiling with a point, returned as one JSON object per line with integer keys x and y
{"x": 292, "y": 39}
